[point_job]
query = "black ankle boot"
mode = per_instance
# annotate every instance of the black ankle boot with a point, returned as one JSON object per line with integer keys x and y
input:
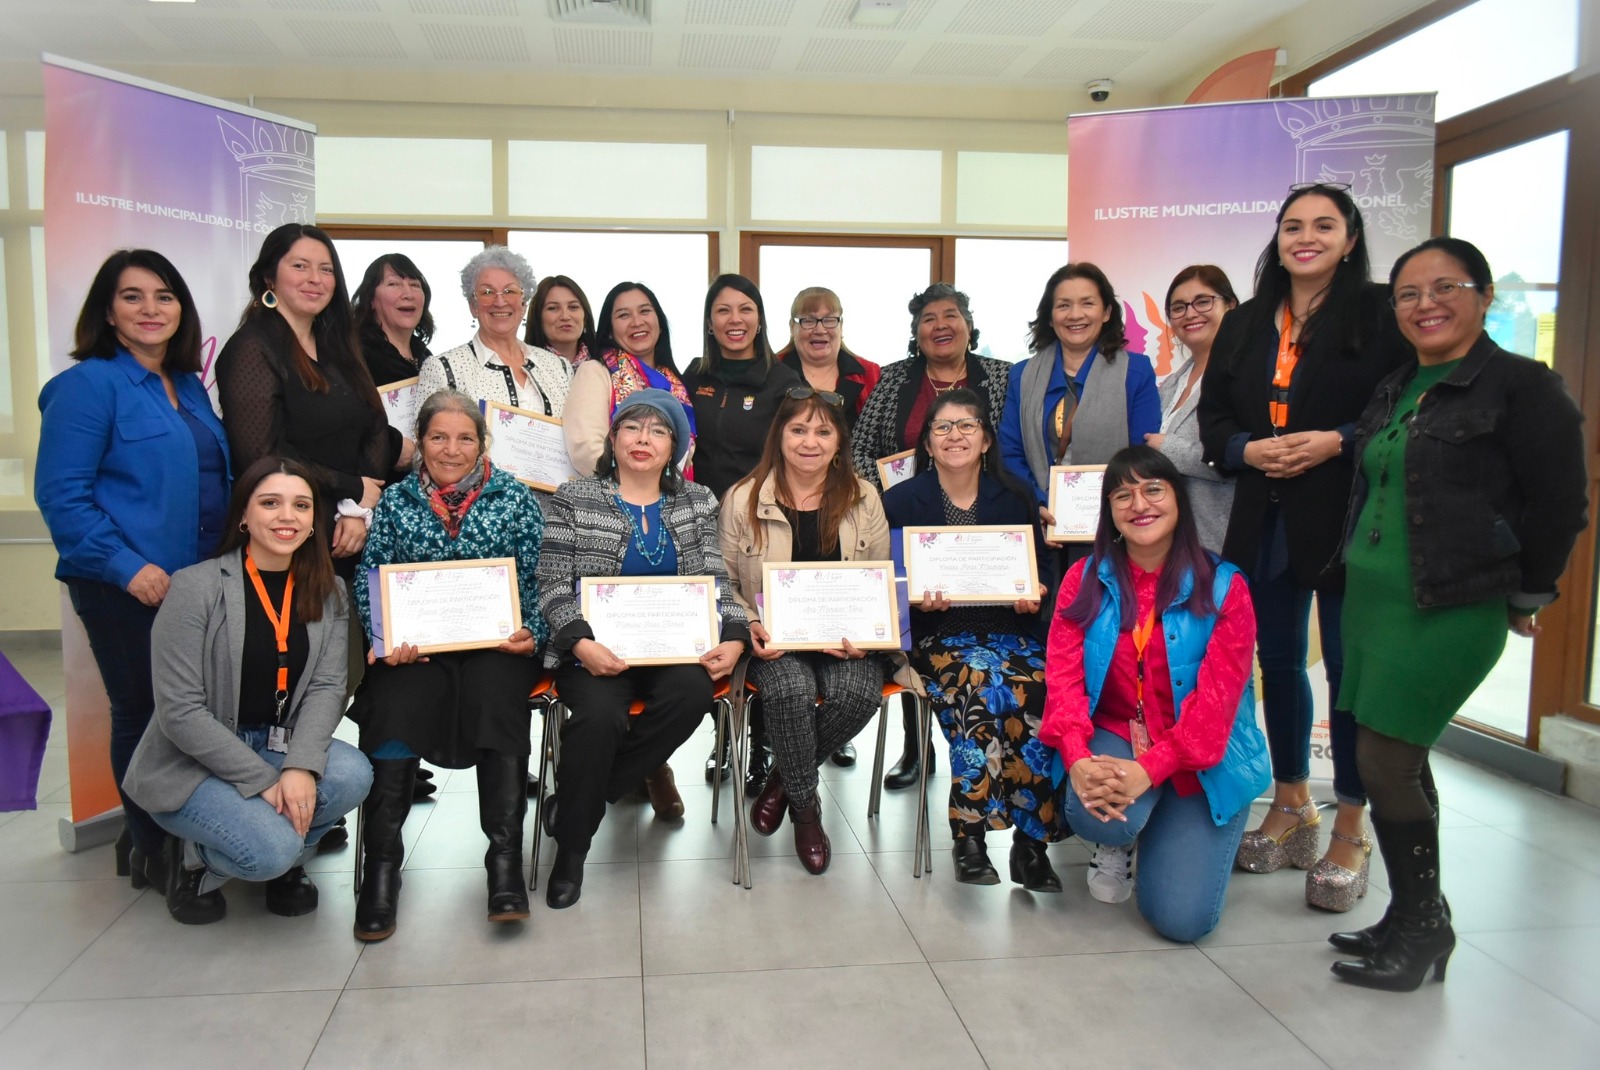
{"x": 972, "y": 860}
{"x": 124, "y": 852}
{"x": 292, "y": 894}
{"x": 502, "y": 804}
{"x": 187, "y": 904}
{"x": 566, "y": 878}
{"x": 720, "y": 766}
{"x": 1364, "y": 942}
{"x": 1030, "y": 864}
{"x": 1418, "y": 936}
{"x": 755, "y": 777}
{"x": 908, "y": 769}
{"x": 382, "y": 817}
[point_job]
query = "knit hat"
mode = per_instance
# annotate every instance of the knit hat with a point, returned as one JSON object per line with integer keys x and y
{"x": 671, "y": 410}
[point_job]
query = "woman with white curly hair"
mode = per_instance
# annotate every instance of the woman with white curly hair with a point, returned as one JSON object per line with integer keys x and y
{"x": 495, "y": 363}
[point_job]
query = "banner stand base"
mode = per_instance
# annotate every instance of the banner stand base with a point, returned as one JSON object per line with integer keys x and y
{"x": 99, "y": 829}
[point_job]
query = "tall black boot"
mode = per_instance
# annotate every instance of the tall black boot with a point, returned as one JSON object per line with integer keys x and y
{"x": 760, "y": 765}
{"x": 1419, "y": 936}
{"x": 905, "y": 772}
{"x": 1364, "y": 942}
{"x": 502, "y": 804}
{"x": 383, "y": 815}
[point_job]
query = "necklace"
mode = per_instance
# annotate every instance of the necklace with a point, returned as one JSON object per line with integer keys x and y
{"x": 942, "y": 387}
{"x": 640, "y": 526}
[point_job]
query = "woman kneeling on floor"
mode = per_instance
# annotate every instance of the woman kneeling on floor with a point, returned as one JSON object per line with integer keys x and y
{"x": 239, "y": 764}
{"x": 1154, "y": 720}
{"x": 459, "y": 709}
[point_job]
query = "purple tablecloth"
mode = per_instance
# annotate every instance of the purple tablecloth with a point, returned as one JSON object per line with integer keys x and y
{"x": 24, "y": 727}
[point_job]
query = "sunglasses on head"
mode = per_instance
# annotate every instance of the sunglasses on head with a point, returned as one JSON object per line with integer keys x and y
{"x": 800, "y": 393}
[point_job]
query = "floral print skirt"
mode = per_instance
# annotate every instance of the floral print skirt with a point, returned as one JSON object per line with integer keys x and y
{"x": 988, "y": 694}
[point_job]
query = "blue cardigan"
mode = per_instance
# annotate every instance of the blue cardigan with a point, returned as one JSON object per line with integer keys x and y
{"x": 117, "y": 478}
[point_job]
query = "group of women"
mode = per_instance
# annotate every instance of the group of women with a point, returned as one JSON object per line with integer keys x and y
{"x": 1253, "y": 482}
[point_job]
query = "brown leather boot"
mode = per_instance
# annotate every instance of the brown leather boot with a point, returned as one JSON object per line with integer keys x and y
{"x": 664, "y": 797}
{"x": 766, "y": 813}
{"x": 810, "y": 842}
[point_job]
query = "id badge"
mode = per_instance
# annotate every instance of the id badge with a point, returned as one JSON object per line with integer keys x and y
{"x": 278, "y": 739}
{"x": 1139, "y": 736}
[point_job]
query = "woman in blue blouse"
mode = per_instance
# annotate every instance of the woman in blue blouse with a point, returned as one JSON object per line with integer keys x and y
{"x": 459, "y": 709}
{"x": 132, "y": 480}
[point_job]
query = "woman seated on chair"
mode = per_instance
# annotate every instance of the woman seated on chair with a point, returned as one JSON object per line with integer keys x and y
{"x": 1154, "y": 721}
{"x": 804, "y": 503}
{"x": 239, "y": 764}
{"x": 459, "y": 709}
{"x": 984, "y": 664}
{"x": 635, "y": 517}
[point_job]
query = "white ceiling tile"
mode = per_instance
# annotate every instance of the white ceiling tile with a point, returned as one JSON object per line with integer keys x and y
{"x": 1065, "y": 64}
{"x": 836, "y": 16}
{"x": 331, "y": 39}
{"x": 725, "y": 51}
{"x": 837, "y": 55}
{"x": 206, "y": 35}
{"x": 739, "y": 12}
{"x": 602, "y": 48}
{"x": 476, "y": 43}
{"x": 501, "y": 9}
{"x": 1009, "y": 18}
{"x": 956, "y": 60}
{"x": 1141, "y": 20}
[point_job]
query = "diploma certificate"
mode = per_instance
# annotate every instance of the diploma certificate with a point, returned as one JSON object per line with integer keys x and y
{"x": 653, "y": 620}
{"x": 814, "y": 605}
{"x": 897, "y": 468}
{"x": 1075, "y": 502}
{"x": 401, "y": 400}
{"x": 529, "y": 445}
{"x": 447, "y": 605}
{"x": 983, "y": 565}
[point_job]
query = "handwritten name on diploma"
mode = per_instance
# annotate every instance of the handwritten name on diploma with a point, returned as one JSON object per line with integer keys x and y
{"x": 433, "y": 607}
{"x": 826, "y": 605}
{"x": 994, "y": 565}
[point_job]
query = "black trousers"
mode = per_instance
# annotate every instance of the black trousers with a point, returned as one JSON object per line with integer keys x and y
{"x": 605, "y": 752}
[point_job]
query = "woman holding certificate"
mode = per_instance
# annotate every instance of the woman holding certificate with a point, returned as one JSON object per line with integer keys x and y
{"x": 1290, "y": 372}
{"x": 638, "y": 518}
{"x": 803, "y": 503}
{"x": 985, "y": 663}
{"x": 496, "y": 364}
{"x": 132, "y": 481}
{"x": 1154, "y": 719}
{"x": 943, "y": 337}
{"x": 458, "y": 709}
{"x": 239, "y": 763}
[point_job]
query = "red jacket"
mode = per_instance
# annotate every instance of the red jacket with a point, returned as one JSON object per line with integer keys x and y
{"x": 857, "y": 377}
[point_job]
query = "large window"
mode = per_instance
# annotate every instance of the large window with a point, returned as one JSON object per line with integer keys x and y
{"x": 439, "y": 260}
{"x": 1004, "y": 277}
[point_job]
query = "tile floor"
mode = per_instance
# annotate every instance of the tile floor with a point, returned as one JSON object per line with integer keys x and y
{"x": 666, "y": 963}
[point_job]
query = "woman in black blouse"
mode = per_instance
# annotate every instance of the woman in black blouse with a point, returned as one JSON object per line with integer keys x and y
{"x": 394, "y": 326}
{"x": 292, "y": 384}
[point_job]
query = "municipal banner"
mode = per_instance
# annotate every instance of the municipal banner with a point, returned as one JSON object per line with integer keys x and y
{"x": 133, "y": 164}
{"x": 1154, "y": 191}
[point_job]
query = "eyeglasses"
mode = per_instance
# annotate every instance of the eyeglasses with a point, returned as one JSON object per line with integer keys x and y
{"x": 1151, "y": 490}
{"x": 489, "y": 293}
{"x": 1440, "y": 292}
{"x": 967, "y": 426}
{"x": 800, "y": 393}
{"x": 655, "y": 431}
{"x": 1203, "y": 303}
{"x": 806, "y": 323}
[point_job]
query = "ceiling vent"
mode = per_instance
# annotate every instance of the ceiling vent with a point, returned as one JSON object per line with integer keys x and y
{"x": 601, "y": 12}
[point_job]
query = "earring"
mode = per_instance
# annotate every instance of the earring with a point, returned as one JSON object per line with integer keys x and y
{"x": 1346, "y": 258}
{"x": 269, "y": 299}
{"x": 244, "y": 529}
{"x": 835, "y": 462}
{"x": 310, "y": 532}
{"x": 1117, "y": 537}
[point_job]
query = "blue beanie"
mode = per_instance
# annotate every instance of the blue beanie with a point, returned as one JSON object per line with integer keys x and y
{"x": 671, "y": 410}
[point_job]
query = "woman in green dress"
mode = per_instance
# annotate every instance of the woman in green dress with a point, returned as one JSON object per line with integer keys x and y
{"x": 1470, "y": 491}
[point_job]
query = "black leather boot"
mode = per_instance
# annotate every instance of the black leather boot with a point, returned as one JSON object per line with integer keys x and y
{"x": 1418, "y": 937}
{"x": 502, "y": 804}
{"x": 383, "y": 815}
{"x": 291, "y": 894}
{"x": 720, "y": 766}
{"x": 566, "y": 878}
{"x": 905, "y": 772}
{"x": 1364, "y": 942}
{"x": 1030, "y": 864}
{"x": 972, "y": 859}
{"x": 760, "y": 767}
{"x": 187, "y": 904}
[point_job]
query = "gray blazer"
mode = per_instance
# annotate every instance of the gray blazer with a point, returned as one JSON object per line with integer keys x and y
{"x": 195, "y": 663}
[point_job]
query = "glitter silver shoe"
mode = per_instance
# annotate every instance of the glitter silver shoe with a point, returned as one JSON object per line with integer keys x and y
{"x": 1331, "y": 887}
{"x": 1295, "y": 845}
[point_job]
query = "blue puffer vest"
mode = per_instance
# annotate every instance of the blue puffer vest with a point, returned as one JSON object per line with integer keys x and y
{"x": 1245, "y": 770}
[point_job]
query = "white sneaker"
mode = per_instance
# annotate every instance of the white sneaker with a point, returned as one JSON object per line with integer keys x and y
{"x": 1111, "y": 873}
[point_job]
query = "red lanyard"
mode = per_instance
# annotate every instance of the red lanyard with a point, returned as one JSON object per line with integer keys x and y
{"x": 1283, "y": 374}
{"x": 280, "y": 626}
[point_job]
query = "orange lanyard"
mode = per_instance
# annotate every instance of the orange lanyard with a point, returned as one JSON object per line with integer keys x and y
{"x": 1283, "y": 374}
{"x": 280, "y": 626}
{"x": 1141, "y": 639}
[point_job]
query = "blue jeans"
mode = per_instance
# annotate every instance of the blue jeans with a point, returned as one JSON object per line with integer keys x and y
{"x": 248, "y": 839}
{"x": 1283, "y": 638}
{"x": 1185, "y": 858}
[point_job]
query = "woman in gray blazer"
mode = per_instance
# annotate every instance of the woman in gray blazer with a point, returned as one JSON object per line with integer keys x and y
{"x": 239, "y": 763}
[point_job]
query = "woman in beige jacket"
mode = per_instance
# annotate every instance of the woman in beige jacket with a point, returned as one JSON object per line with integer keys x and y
{"x": 803, "y": 503}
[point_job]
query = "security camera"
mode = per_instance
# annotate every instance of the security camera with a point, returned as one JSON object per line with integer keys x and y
{"x": 1100, "y": 90}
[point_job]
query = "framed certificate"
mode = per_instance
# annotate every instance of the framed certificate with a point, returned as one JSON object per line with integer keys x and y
{"x": 813, "y": 605}
{"x": 897, "y": 468}
{"x": 652, "y": 620}
{"x": 446, "y": 605}
{"x": 401, "y": 400}
{"x": 529, "y": 445}
{"x": 1075, "y": 502}
{"x": 982, "y": 565}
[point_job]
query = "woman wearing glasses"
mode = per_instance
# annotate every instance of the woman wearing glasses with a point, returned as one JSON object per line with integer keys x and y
{"x": 495, "y": 364}
{"x": 1200, "y": 295}
{"x": 985, "y": 663}
{"x": 1154, "y": 719}
{"x": 803, "y": 503}
{"x": 1292, "y": 369}
{"x": 1469, "y": 493}
{"x": 816, "y": 335}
